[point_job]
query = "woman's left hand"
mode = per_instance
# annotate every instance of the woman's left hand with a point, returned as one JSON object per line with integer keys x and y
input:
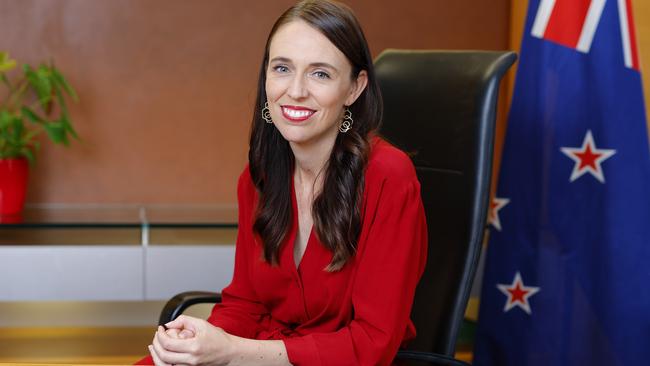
{"x": 209, "y": 345}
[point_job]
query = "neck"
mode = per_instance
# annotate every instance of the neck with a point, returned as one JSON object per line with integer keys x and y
{"x": 310, "y": 160}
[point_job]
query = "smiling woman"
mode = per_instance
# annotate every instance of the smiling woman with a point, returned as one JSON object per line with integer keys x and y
{"x": 332, "y": 234}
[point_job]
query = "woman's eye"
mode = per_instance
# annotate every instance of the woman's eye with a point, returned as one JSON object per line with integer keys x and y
{"x": 281, "y": 68}
{"x": 321, "y": 75}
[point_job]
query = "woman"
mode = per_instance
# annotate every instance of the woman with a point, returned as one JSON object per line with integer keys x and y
{"x": 332, "y": 235}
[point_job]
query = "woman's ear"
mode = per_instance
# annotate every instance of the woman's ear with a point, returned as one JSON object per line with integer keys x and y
{"x": 357, "y": 87}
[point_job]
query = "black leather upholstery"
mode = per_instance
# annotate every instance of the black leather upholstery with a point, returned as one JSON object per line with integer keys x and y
{"x": 439, "y": 106}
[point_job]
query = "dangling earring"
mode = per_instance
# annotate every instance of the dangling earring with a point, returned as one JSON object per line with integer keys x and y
{"x": 346, "y": 125}
{"x": 266, "y": 113}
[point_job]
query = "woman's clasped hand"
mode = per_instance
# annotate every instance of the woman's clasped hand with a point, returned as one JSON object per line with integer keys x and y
{"x": 190, "y": 341}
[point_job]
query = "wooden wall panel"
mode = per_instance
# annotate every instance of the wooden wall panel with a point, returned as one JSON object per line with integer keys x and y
{"x": 642, "y": 25}
{"x": 167, "y": 86}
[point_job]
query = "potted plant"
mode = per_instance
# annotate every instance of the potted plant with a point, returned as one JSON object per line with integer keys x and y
{"x": 33, "y": 102}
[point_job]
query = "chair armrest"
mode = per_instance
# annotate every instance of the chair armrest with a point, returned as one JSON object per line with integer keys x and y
{"x": 177, "y": 304}
{"x": 431, "y": 358}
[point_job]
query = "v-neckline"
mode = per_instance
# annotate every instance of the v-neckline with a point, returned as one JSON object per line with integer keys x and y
{"x": 296, "y": 230}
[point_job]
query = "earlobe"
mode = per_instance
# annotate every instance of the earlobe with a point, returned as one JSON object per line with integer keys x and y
{"x": 358, "y": 87}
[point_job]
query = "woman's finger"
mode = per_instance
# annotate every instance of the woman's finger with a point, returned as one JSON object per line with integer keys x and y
{"x": 166, "y": 356}
{"x": 185, "y": 322}
{"x": 178, "y": 323}
{"x": 178, "y": 345}
{"x": 174, "y": 333}
{"x": 156, "y": 359}
{"x": 185, "y": 333}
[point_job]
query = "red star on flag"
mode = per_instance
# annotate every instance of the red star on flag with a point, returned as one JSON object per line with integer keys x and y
{"x": 496, "y": 205}
{"x": 587, "y": 158}
{"x": 518, "y": 294}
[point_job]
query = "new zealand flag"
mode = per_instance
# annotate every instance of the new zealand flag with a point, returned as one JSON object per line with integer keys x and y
{"x": 567, "y": 276}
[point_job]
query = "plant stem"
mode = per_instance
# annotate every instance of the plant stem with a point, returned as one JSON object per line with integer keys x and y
{"x": 38, "y": 102}
{"x": 17, "y": 94}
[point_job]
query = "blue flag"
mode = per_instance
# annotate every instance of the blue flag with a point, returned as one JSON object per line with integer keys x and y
{"x": 567, "y": 275}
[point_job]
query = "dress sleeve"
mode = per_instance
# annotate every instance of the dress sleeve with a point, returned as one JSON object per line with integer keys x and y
{"x": 389, "y": 266}
{"x": 240, "y": 312}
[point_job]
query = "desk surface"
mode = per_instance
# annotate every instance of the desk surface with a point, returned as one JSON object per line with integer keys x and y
{"x": 74, "y": 346}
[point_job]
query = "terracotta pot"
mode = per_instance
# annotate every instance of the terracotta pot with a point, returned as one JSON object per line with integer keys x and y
{"x": 13, "y": 185}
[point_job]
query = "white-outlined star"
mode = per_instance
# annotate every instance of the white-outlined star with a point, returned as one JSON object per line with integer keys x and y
{"x": 518, "y": 294}
{"x": 587, "y": 158}
{"x": 496, "y": 205}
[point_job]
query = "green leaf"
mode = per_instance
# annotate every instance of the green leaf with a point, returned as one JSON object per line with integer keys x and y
{"x": 68, "y": 126}
{"x": 6, "y": 63}
{"x": 31, "y": 115}
{"x": 5, "y": 81}
{"x": 29, "y": 136}
{"x": 5, "y": 119}
{"x": 12, "y": 133}
{"x": 60, "y": 80}
{"x": 18, "y": 129}
{"x": 27, "y": 152}
{"x": 40, "y": 82}
{"x": 56, "y": 132}
{"x": 61, "y": 101}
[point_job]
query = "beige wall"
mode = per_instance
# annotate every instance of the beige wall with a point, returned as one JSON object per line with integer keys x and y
{"x": 167, "y": 86}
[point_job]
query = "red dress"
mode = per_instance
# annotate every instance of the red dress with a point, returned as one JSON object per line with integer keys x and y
{"x": 356, "y": 316}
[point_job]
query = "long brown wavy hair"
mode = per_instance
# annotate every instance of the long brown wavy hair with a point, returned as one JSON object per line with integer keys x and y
{"x": 336, "y": 210}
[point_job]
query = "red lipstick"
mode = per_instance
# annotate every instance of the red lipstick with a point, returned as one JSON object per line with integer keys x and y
{"x": 297, "y": 113}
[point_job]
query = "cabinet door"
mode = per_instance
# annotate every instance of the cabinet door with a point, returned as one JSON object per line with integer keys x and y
{"x": 171, "y": 269}
{"x": 71, "y": 273}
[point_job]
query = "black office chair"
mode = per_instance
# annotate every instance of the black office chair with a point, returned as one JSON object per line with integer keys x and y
{"x": 440, "y": 107}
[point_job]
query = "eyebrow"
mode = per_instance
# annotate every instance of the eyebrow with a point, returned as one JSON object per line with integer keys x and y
{"x": 314, "y": 64}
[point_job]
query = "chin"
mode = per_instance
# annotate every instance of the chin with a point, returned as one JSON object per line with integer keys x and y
{"x": 298, "y": 140}
{"x": 296, "y": 137}
{"x": 303, "y": 135}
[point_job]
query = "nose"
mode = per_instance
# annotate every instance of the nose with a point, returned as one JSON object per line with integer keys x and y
{"x": 297, "y": 88}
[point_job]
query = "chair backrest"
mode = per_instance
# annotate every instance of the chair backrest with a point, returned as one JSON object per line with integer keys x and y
{"x": 440, "y": 106}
